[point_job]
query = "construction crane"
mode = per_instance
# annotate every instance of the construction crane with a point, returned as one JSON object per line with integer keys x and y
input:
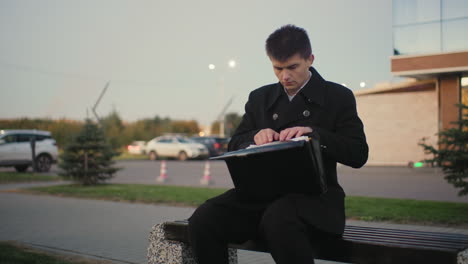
{"x": 221, "y": 116}
{"x": 99, "y": 100}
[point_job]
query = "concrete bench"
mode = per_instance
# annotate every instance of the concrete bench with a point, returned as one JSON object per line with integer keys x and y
{"x": 169, "y": 244}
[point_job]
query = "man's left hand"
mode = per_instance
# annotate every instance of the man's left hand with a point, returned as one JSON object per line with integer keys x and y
{"x": 293, "y": 132}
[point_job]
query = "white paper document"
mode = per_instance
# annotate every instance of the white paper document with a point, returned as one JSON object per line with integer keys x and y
{"x": 305, "y": 138}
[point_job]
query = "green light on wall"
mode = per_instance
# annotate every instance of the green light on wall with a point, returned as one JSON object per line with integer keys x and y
{"x": 418, "y": 164}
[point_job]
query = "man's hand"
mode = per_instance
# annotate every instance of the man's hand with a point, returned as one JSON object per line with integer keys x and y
{"x": 266, "y": 135}
{"x": 293, "y": 132}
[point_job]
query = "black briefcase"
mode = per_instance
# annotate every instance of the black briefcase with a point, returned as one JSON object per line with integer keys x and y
{"x": 266, "y": 172}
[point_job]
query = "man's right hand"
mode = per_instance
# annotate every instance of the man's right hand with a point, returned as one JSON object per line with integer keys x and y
{"x": 266, "y": 135}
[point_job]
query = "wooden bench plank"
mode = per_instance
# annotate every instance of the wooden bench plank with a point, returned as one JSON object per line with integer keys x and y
{"x": 445, "y": 237}
{"x": 351, "y": 228}
{"x": 403, "y": 237}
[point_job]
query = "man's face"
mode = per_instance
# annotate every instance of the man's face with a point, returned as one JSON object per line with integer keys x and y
{"x": 293, "y": 72}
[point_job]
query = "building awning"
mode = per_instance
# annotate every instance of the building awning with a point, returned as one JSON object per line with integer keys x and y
{"x": 430, "y": 65}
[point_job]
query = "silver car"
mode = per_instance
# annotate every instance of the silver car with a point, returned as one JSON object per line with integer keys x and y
{"x": 16, "y": 149}
{"x": 175, "y": 147}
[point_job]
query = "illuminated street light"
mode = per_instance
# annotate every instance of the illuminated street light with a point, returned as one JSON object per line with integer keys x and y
{"x": 232, "y": 64}
{"x": 362, "y": 84}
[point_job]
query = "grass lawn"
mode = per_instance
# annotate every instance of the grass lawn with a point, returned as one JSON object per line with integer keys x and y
{"x": 13, "y": 253}
{"x": 156, "y": 194}
{"x": 12, "y": 177}
{"x": 407, "y": 211}
{"x": 357, "y": 208}
{"x": 124, "y": 155}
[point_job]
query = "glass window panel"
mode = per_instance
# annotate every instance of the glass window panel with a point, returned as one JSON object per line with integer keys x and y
{"x": 24, "y": 137}
{"x": 454, "y": 9}
{"x": 183, "y": 140}
{"x": 415, "y": 11}
{"x": 464, "y": 82}
{"x": 454, "y": 35}
{"x": 10, "y": 139}
{"x": 416, "y": 39}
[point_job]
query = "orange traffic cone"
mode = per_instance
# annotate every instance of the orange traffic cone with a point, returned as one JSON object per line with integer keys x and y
{"x": 206, "y": 179}
{"x": 162, "y": 173}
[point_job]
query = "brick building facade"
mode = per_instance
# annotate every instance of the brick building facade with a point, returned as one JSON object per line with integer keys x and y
{"x": 396, "y": 118}
{"x": 430, "y": 47}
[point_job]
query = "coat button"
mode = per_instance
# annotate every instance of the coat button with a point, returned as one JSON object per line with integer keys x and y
{"x": 275, "y": 116}
{"x": 306, "y": 113}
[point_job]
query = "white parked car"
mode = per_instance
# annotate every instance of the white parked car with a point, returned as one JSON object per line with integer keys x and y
{"x": 175, "y": 147}
{"x": 16, "y": 151}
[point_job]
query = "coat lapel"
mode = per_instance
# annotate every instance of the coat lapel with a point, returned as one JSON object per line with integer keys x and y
{"x": 306, "y": 105}
{"x": 313, "y": 92}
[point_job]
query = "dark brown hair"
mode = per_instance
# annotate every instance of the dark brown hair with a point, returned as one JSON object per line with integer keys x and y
{"x": 288, "y": 41}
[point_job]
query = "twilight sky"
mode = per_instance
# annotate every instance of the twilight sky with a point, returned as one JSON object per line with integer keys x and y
{"x": 57, "y": 55}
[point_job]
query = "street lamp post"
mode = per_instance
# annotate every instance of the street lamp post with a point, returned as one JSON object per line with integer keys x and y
{"x": 212, "y": 67}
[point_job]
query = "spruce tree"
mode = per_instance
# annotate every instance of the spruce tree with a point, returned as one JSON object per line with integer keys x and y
{"x": 88, "y": 158}
{"x": 452, "y": 154}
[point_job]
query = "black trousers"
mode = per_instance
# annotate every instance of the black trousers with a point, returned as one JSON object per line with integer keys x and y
{"x": 288, "y": 238}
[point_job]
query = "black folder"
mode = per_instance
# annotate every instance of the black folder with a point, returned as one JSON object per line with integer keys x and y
{"x": 269, "y": 171}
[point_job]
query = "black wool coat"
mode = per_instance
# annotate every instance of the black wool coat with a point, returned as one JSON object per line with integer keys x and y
{"x": 330, "y": 110}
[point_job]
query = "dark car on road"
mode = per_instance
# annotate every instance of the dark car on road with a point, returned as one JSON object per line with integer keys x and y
{"x": 216, "y": 145}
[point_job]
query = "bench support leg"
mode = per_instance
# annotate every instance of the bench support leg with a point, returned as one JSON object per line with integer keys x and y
{"x": 463, "y": 257}
{"x": 163, "y": 251}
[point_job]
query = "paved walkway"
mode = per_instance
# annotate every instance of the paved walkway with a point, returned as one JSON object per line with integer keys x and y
{"x": 103, "y": 229}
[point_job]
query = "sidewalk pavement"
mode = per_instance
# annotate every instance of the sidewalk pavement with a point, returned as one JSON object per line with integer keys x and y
{"x": 103, "y": 229}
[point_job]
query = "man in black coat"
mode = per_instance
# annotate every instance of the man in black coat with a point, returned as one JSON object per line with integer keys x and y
{"x": 302, "y": 103}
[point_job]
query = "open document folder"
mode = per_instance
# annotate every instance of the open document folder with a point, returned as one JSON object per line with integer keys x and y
{"x": 265, "y": 172}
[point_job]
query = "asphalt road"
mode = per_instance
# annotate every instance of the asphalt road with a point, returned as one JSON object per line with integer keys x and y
{"x": 390, "y": 182}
